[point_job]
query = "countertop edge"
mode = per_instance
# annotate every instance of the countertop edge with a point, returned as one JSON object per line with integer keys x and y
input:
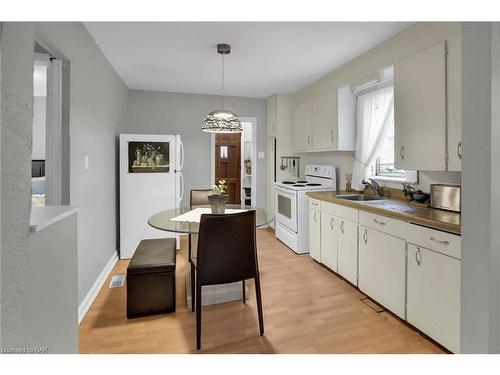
{"x": 442, "y": 226}
{"x": 46, "y": 219}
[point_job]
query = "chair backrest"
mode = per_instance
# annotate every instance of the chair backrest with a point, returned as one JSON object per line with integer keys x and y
{"x": 199, "y": 197}
{"x": 227, "y": 248}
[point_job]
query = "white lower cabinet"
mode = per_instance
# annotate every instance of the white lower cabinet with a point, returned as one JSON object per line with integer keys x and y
{"x": 433, "y": 300}
{"x": 315, "y": 234}
{"x": 329, "y": 230}
{"x": 382, "y": 269}
{"x": 347, "y": 250}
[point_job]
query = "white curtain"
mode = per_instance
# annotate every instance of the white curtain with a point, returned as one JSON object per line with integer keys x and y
{"x": 374, "y": 117}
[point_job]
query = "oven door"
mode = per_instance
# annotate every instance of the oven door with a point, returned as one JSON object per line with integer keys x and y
{"x": 285, "y": 207}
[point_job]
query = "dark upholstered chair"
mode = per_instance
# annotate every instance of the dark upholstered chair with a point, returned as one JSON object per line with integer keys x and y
{"x": 197, "y": 197}
{"x": 226, "y": 253}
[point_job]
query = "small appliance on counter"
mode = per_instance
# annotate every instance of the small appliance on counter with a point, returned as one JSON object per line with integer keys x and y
{"x": 445, "y": 197}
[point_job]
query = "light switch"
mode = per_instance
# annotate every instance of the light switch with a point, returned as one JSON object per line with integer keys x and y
{"x": 86, "y": 162}
{"x": 260, "y": 155}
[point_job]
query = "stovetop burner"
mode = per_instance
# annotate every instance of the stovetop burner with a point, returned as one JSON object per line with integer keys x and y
{"x": 302, "y": 182}
{"x": 299, "y": 185}
{"x": 288, "y": 182}
{"x": 313, "y": 184}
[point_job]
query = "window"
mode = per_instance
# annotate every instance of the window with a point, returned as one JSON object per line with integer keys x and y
{"x": 384, "y": 165}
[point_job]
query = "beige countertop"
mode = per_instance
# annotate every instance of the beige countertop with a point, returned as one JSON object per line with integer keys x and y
{"x": 400, "y": 209}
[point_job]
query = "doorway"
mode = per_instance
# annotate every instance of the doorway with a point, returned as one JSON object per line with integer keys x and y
{"x": 228, "y": 164}
{"x": 247, "y": 162}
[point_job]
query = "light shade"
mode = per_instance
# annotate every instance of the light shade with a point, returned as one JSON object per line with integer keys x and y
{"x": 222, "y": 121}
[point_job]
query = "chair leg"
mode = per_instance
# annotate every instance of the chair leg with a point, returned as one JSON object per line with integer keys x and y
{"x": 244, "y": 292}
{"x": 198, "y": 316}
{"x": 259, "y": 305}
{"x": 193, "y": 285}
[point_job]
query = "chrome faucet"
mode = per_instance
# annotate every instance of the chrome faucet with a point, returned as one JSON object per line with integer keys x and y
{"x": 374, "y": 185}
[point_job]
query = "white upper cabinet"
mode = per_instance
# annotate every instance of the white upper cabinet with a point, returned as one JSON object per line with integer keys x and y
{"x": 319, "y": 127}
{"x": 324, "y": 124}
{"x": 302, "y": 127}
{"x": 454, "y": 98}
{"x": 272, "y": 116}
{"x": 420, "y": 110}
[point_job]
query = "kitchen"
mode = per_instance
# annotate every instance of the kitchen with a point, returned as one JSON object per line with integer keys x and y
{"x": 402, "y": 254}
{"x": 374, "y": 233}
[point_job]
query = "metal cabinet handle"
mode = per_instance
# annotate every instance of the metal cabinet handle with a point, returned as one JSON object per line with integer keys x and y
{"x": 331, "y": 136}
{"x": 331, "y": 223}
{"x": 365, "y": 236}
{"x": 342, "y": 226}
{"x": 439, "y": 241}
{"x": 402, "y": 152}
{"x": 315, "y": 212}
{"x": 379, "y": 222}
{"x": 308, "y": 139}
{"x": 459, "y": 150}
{"x": 418, "y": 256}
{"x": 314, "y": 203}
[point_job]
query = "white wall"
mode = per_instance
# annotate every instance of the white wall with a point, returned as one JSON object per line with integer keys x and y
{"x": 174, "y": 113}
{"x": 15, "y": 177}
{"x": 39, "y": 129}
{"x": 481, "y": 189}
{"x": 412, "y": 40}
{"x": 98, "y": 98}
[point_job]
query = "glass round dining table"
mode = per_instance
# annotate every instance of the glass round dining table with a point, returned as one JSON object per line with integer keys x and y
{"x": 184, "y": 219}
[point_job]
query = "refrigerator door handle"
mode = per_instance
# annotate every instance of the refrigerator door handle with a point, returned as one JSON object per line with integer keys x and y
{"x": 181, "y": 189}
{"x": 180, "y": 162}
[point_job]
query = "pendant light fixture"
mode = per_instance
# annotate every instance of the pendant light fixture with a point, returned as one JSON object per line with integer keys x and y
{"x": 222, "y": 120}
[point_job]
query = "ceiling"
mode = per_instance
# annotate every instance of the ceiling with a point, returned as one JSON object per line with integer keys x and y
{"x": 266, "y": 57}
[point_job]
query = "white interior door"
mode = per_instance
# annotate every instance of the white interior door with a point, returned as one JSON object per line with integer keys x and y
{"x": 144, "y": 194}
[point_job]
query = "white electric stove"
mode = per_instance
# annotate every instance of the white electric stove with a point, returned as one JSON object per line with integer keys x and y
{"x": 291, "y": 205}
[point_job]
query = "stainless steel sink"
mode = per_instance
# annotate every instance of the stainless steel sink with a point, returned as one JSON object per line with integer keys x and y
{"x": 360, "y": 198}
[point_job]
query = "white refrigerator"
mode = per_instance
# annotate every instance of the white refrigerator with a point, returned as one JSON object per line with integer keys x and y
{"x": 150, "y": 181}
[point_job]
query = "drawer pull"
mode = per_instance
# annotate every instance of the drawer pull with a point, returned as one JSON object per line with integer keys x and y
{"x": 314, "y": 203}
{"x": 440, "y": 241}
{"x": 418, "y": 256}
{"x": 379, "y": 222}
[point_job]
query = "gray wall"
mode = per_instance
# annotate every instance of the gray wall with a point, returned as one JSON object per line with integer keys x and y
{"x": 16, "y": 128}
{"x": 98, "y": 98}
{"x": 39, "y": 129}
{"x": 481, "y": 188}
{"x": 174, "y": 113}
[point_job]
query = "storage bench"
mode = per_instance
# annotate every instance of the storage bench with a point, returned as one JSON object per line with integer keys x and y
{"x": 151, "y": 278}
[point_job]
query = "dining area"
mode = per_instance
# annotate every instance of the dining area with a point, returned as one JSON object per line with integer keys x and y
{"x": 222, "y": 252}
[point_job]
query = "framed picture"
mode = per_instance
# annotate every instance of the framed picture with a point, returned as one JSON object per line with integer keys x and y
{"x": 148, "y": 157}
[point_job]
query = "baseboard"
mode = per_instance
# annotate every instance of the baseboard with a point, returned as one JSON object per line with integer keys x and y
{"x": 92, "y": 294}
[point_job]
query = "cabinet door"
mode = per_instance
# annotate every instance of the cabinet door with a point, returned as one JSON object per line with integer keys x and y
{"x": 454, "y": 98}
{"x": 324, "y": 122}
{"x": 302, "y": 123}
{"x": 271, "y": 116}
{"x": 382, "y": 269}
{"x": 329, "y": 230}
{"x": 348, "y": 250}
{"x": 420, "y": 110}
{"x": 315, "y": 234}
{"x": 433, "y": 301}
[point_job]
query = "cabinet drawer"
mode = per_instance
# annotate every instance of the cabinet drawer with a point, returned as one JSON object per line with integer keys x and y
{"x": 314, "y": 204}
{"x": 343, "y": 212}
{"x": 384, "y": 224}
{"x": 442, "y": 242}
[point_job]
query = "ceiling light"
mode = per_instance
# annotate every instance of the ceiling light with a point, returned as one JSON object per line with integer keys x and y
{"x": 222, "y": 120}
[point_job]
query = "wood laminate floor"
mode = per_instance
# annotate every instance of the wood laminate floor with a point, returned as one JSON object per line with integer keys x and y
{"x": 307, "y": 309}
